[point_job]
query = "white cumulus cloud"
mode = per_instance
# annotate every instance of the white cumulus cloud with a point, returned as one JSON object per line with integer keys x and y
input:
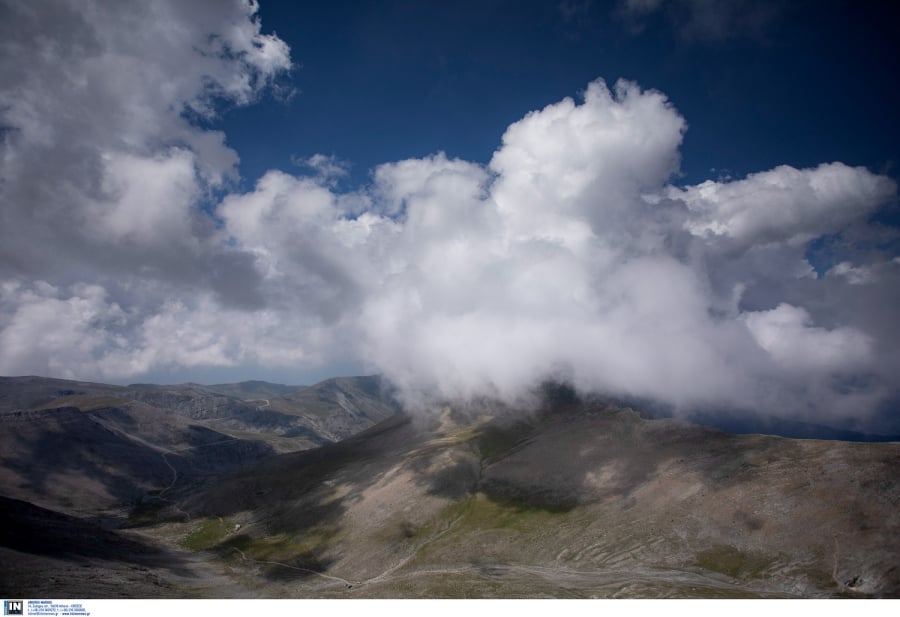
{"x": 571, "y": 255}
{"x": 784, "y": 204}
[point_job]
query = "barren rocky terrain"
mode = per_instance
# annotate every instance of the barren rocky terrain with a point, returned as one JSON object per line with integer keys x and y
{"x": 575, "y": 499}
{"x": 107, "y": 451}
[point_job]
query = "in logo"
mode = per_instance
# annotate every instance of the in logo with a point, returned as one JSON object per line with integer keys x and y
{"x": 13, "y": 607}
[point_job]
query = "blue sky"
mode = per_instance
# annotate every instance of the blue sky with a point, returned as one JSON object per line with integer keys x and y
{"x": 794, "y": 83}
{"x": 684, "y": 201}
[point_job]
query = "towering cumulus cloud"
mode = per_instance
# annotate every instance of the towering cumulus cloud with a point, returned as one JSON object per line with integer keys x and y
{"x": 571, "y": 255}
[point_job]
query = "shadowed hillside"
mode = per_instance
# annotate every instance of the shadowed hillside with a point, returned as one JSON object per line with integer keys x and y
{"x": 101, "y": 450}
{"x": 575, "y": 499}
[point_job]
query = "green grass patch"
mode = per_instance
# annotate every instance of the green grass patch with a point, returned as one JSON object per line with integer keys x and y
{"x": 315, "y": 538}
{"x": 301, "y": 554}
{"x": 733, "y": 562}
{"x": 483, "y": 512}
{"x": 283, "y": 547}
{"x": 479, "y": 516}
{"x": 207, "y": 534}
{"x": 264, "y": 549}
{"x": 464, "y": 435}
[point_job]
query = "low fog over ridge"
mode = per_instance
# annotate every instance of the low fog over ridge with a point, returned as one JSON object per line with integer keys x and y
{"x": 573, "y": 255}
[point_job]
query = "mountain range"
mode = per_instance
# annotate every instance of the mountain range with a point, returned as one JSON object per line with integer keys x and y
{"x": 333, "y": 491}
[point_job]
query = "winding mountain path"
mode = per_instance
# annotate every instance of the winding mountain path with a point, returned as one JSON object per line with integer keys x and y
{"x": 338, "y": 579}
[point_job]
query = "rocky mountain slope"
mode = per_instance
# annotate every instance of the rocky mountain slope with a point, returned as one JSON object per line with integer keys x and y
{"x": 577, "y": 499}
{"x": 95, "y": 449}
